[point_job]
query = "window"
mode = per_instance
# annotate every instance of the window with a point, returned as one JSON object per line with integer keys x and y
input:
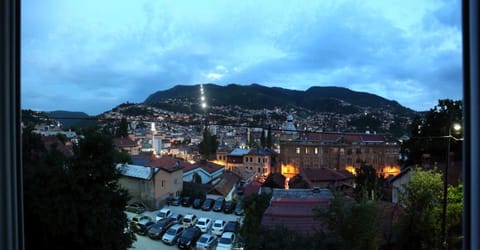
{"x": 163, "y": 183}
{"x": 316, "y": 151}
{"x": 297, "y": 150}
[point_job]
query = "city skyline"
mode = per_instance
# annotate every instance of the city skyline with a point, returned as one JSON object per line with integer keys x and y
{"x": 90, "y": 56}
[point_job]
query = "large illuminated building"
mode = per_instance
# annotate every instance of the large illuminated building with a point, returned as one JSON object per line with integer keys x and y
{"x": 340, "y": 151}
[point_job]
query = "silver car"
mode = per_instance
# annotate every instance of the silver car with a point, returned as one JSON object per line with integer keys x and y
{"x": 171, "y": 236}
{"x": 207, "y": 241}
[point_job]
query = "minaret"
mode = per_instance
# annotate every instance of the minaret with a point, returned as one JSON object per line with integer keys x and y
{"x": 153, "y": 130}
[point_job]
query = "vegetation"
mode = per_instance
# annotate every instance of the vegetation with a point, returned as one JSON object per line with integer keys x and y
{"x": 73, "y": 203}
{"x": 209, "y": 144}
{"x": 420, "y": 228}
{"x": 428, "y": 135}
{"x": 368, "y": 184}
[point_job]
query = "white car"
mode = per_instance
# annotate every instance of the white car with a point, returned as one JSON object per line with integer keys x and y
{"x": 164, "y": 213}
{"x": 226, "y": 241}
{"x": 189, "y": 220}
{"x": 170, "y": 237}
{"x": 204, "y": 224}
{"x": 218, "y": 226}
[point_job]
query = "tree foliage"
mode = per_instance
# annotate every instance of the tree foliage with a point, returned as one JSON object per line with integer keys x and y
{"x": 420, "y": 227}
{"x": 209, "y": 144}
{"x": 427, "y": 135}
{"x": 352, "y": 224}
{"x": 123, "y": 128}
{"x": 368, "y": 183}
{"x": 73, "y": 203}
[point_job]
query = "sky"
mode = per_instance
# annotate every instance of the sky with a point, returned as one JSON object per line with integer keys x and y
{"x": 90, "y": 55}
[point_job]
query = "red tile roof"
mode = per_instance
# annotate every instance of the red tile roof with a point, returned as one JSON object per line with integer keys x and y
{"x": 295, "y": 214}
{"x": 168, "y": 163}
{"x": 251, "y": 188}
{"x": 325, "y": 174}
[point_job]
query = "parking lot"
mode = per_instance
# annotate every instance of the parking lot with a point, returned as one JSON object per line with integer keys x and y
{"x": 144, "y": 242}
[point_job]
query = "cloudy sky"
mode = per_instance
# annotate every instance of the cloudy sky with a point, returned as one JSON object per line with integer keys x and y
{"x": 90, "y": 55}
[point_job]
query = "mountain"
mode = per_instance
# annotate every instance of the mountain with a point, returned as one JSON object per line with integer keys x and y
{"x": 71, "y": 119}
{"x": 255, "y": 96}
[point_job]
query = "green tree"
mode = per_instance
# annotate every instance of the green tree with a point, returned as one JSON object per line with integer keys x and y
{"x": 196, "y": 178}
{"x": 209, "y": 144}
{"x": 74, "y": 203}
{"x": 254, "y": 206}
{"x": 251, "y": 141}
{"x": 352, "y": 224}
{"x": 269, "y": 142}
{"x": 420, "y": 226}
{"x": 427, "y": 135}
{"x": 368, "y": 183}
{"x": 263, "y": 140}
{"x": 123, "y": 128}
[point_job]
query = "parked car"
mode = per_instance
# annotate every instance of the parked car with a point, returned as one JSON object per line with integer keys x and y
{"x": 206, "y": 242}
{"x": 226, "y": 242}
{"x": 229, "y": 207}
{"x": 164, "y": 213}
{"x": 197, "y": 203}
{"x": 140, "y": 225}
{"x": 175, "y": 201}
{"x": 218, "y": 206}
{"x": 186, "y": 201}
{"x": 135, "y": 207}
{"x": 138, "y": 218}
{"x": 231, "y": 226}
{"x": 177, "y": 218}
{"x": 157, "y": 230}
{"x": 189, "y": 237}
{"x": 218, "y": 226}
{"x": 204, "y": 224}
{"x": 171, "y": 235}
{"x": 207, "y": 204}
{"x": 239, "y": 209}
{"x": 189, "y": 220}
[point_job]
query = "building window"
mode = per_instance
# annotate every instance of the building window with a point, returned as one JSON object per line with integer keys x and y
{"x": 258, "y": 170}
{"x": 298, "y": 150}
{"x": 258, "y": 159}
{"x": 163, "y": 183}
{"x": 175, "y": 181}
{"x": 316, "y": 151}
{"x": 306, "y": 150}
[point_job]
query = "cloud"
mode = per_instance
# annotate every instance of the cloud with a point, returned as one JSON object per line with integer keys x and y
{"x": 126, "y": 51}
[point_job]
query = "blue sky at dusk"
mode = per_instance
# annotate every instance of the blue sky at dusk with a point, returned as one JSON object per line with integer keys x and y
{"x": 92, "y": 55}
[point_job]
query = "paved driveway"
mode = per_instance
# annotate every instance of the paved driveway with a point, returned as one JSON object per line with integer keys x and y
{"x": 145, "y": 243}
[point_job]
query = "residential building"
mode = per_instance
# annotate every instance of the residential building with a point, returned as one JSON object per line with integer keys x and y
{"x": 205, "y": 169}
{"x": 126, "y": 144}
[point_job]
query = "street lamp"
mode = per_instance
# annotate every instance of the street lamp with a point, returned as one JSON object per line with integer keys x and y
{"x": 456, "y": 127}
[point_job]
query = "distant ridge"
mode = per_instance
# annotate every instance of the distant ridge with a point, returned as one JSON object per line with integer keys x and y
{"x": 71, "y": 119}
{"x": 255, "y": 96}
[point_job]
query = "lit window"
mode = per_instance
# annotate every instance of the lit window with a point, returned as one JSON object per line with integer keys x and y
{"x": 298, "y": 150}
{"x": 316, "y": 151}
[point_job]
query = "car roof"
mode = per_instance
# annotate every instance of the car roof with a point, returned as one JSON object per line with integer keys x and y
{"x": 203, "y": 218}
{"x": 189, "y": 216}
{"x": 164, "y": 210}
{"x": 219, "y": 221}
{"x": 227, "y": 235}
{"x": 176, "y": 226}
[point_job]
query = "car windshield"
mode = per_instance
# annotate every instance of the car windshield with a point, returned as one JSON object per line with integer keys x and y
{"x": 188, "y": 233}
{"x": 172, "y": 231}
{"x": 218, "y": 225}
{"x": 203, "y": 239}
{"x": 186, "y": 220}
{"x": 225, "y": 241}
{"x": 201, "y": 223}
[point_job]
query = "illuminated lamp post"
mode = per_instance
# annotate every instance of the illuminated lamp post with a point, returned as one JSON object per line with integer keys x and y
{"x": 456, "y": 128}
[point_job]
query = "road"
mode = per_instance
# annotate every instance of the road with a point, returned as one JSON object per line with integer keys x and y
{"x": 145, "y": 243}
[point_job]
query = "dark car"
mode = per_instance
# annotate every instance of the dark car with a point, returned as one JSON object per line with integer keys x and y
{"x": 239, "y": 209}
{"x": 177, "y": 218}
{"x": 218, "y": 206}
{"x": 229, "y": 207}
{"x": 197, "y": 203}
{"x": 141, "y": 226}
{"x": 189, "y": 237}
{"x": 157, "y": 230}
{"x": 175, "y": 201}
{"x": 207, "y": 204}
{"x": 135, "y": 207}
{"x": 186, "y": 201}
{"x": 231, "y": 226}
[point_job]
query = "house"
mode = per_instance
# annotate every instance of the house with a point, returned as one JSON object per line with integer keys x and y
{"x": 398, "y": 181}
{"x": 205, "y": 169}
{"x": 126, "y": 144}
{"x": 226, "y": 185}
{"x": 154, "y": 180}
{"x": 235, "y": 158}
{"x": 327, "y": 178}
{"x": 294, "y": 209}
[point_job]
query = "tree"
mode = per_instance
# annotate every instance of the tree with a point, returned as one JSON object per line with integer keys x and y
{"x": 352, "y": 224}
{"x": 251, "y": 141}
{"x": 196, "y": 178}
{"x": 123, "y": 128}
{"x": 263, "y": 140}
{"x": 427, "y": 135}
{"x": 420, "y": 225}
{"x": 74, "y": 203}
{"x": 368, "y": 183}
{"x": 269, "y": 143}
{"x": 209, "y": 144}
